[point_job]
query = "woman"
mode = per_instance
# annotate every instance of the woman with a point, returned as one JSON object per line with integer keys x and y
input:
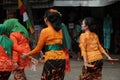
{"x": 6, "y": 64}
{"x": 51, "y": 39}
{"x": 91, "y": 51}
{"x": 19, "y": 36}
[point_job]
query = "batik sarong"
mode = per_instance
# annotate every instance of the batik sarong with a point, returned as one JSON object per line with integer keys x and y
{"x": 92, "y": 73}
{"x": 53, "y": 70}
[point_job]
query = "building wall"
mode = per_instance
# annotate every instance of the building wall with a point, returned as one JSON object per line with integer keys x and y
{"x": 73, "y": 14}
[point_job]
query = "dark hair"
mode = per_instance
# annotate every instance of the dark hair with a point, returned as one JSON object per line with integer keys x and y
{"x": 90, "y": 22}
{"x": 54, "y": 18}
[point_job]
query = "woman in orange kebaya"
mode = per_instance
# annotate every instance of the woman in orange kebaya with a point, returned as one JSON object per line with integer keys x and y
{"x": 6, "y": 64}
{"x": 51, "y": 39}
{"x": 19, "y": 36}
{"x": 92, "y": 51}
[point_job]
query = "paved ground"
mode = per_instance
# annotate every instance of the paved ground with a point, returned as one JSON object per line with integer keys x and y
{"x": 110, "y": 71}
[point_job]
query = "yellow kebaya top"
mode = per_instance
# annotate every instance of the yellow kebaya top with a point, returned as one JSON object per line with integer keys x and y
{"x": 49, "y": 36}
{"x": 90, "y": 46}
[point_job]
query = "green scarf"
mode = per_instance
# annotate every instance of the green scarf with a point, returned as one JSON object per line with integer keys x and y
{"x": 14, "y": 26}
{"x": 5, "y": 42}
{"x": 66, "y": 37}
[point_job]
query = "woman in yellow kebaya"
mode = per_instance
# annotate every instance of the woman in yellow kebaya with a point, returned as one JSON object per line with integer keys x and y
{"x": 51, "y": 39}
{"x": 92, "y": 51}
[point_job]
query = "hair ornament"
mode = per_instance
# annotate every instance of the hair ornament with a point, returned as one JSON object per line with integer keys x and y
{"x": 53, "y": 10}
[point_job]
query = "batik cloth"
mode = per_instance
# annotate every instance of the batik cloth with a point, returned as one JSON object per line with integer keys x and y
{"x": 92, "y": 73}
{"x": 53, "y": 70}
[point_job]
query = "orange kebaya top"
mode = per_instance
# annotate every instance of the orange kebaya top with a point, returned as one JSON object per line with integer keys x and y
{"x": 20, "y": 46}
{"x": 90, "y": 46}
{"x": 49, "y": 36}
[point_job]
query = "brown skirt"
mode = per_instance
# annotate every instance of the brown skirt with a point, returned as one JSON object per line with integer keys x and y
{"x": 92, "y": 73}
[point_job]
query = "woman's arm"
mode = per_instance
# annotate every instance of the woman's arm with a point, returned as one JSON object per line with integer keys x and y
{"x": 103, "y": 51}
{"x": 40, "y": 44}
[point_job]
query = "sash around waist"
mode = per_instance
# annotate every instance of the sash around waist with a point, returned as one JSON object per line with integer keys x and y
{"x": 53, "y": 47}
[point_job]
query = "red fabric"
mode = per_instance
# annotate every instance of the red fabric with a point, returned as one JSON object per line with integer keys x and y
{"x": 6, "y": 63}
{"x": 22, "y": 10}
{"x": 20, "y": 46}
{"x": 67, "y": 66}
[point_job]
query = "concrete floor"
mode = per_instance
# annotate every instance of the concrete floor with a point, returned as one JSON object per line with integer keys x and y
{"x": 110, "y": 71}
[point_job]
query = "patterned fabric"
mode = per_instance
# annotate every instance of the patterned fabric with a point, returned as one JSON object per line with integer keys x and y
{"x": 53, "y": 70}
{"x": 19, "y": 75}
{"x": 67, "y": 63}
{"x": 6, "y": 63}
{"x": 92, "y": 73}
{"x": 20, "y": 46}
{"x": 4, "y": 75}
{"x": 5, "y": 50}
{"x": 90, "y": 46}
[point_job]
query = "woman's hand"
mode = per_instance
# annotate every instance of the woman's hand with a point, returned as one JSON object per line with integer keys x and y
{"x": 113, "y": 60}
{"x": 87, "y": 65}
{"x": 25, "y": 55}
{"x": 34, "y": 61}
{"x": 15, "y": 65}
